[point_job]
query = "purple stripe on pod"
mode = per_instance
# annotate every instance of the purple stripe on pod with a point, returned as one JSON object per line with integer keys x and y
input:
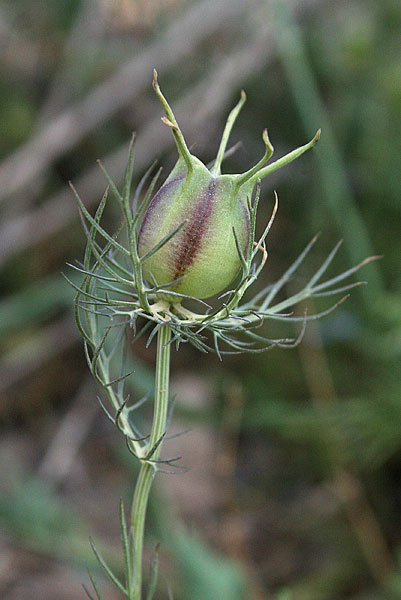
{"x": 193, "y": 233}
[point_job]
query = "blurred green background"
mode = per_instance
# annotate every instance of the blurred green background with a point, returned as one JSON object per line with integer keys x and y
{"x": 294, "y": 491}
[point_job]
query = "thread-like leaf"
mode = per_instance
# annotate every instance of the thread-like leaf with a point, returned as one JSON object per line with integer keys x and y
{"x": 96, "y": 225}
{"x": 120, "y": 378}
{"x": 129, "y": 171}
{"x": 239, "y": 250}
{"x": 111, "y": 183}
{"x": 162, "y": 242}
{"x": 107, "y": 569}
{"x": 324, "y": 266}
{"x": 153, "y": 575}
{"x": 155, "y": 446}
{"x": 139, "y": 187}
{"x": 126, "y": 551}
{"x": 345, "y": 274}
{"x": 98, "y": 593}
{"x": 141, "y": 209}
{"x": 92, "y": 233}
{"x": 288, "y": 273}
{"x": 88, "y": 593}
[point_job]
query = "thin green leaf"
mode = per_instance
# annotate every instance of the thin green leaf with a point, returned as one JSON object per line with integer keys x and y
{"x": 152, "y": 334}
{"x": 339, "y": 290}
{"x": 119, "y": 379}
{"x": 96, "y": 225}
{"x": 155, "y": 446}
{"x": 162, "y": 242}
{"x": 129, "y": 170}
{"x": 129, "y": 580}
{"x": 99, "y": 594}
{"x": 110, "y": 182}
{"x": 324, "y": 266}
{"x": 288, "y": 273}
{"x": 107, "y": 569}
{"x": 92, "y": 233}
{"x": 239, "y": 250}
{"x": 268, "y": 227}
{"x": 345, "y": 274}
{"x": 103, "y": 260}
{"x": 99, "y": 348}
{"x": 108, "y": 415}
{"x": 145, "y": 201}
{"x": 140, "y": 185}
{"x": 87, "y": 592}
{"x": 153, "y": 575}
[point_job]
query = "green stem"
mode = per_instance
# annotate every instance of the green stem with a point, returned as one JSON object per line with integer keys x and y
{"x": 143, "y": 485}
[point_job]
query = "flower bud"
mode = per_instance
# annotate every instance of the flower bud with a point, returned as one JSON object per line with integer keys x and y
{"x": 202, "y": 254}
{"x": 213, "y": 210}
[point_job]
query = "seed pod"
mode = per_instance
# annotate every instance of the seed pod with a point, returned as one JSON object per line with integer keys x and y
{"x": 212, "y": 209}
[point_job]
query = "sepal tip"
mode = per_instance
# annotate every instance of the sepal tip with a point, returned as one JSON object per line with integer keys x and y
{"x": 317, "y": 136}
{"x": 267, "y": 142}
{"x": 167, "y": 122}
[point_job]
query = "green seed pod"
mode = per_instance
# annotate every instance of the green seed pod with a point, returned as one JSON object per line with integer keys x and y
{"x": 212, "y": 210}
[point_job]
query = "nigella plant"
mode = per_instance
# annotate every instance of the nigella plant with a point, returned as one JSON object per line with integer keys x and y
{"x": 193, "y": 239}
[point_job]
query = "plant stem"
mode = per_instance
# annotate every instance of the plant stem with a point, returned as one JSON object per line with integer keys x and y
{"x": 146, "y": 474}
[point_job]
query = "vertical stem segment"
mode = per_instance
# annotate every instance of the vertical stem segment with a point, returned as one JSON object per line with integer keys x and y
{"x": 147, "y": 472}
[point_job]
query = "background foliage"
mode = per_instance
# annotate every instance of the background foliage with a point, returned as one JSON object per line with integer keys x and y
{"x": 294, "y": 489}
